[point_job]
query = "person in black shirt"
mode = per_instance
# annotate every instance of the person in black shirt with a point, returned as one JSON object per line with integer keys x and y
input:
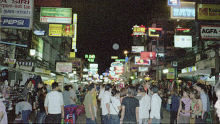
{"x": 130, "y": 108}
{"x": 41, "y": 110}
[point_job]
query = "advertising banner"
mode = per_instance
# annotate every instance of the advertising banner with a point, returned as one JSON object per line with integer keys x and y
{"x": 16, "y": 8}
{"x": 210, "y": 32}
{"x": 56, "y": 15}
{"x": 148, "y": 55}
{"x": 182, "y": 41}
{"x": 48, "y": 3}
{"x": 208, "y": 11}
{"x": 185, "y": 11}
{"x": 93, "y": 66}
{"x": 139, "y": 61}
{"x": 14, "y": 22}
{"x": 137, "y": 49}
{"x": 55, "y": 29}
{"x": 142, "y": 69}
{"x": 171, "y": 73}
{"x": 139, "y": 30}
{"x": 63, "y": 67}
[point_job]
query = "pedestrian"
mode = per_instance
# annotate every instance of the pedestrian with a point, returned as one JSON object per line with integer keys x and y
{"x": 183, "y": 115}
{"x": 73, "y": 97}
{"x": 3, "y": 113}
{"x": 94, "y": 100}
{"x": 123, "y": 93}
{"x": 115, "y": 107}
{"x": 89, "y": 106}
{"x": 130, "y": 108}
{"x": 204, "y": 97}
{"x": 217, "y": 103}
{"x": 24, "y": 108}
{"x": 174, "y": 106}
{"x": 196, "y": 108}
{"x": 155, "y": 111}
{"x": 66, "y": 95}
{"x": 54, "y": 105}
{"x": 144, "y": 102}
{"x": 105, "y": 102}
{"x": 41, "y": 115}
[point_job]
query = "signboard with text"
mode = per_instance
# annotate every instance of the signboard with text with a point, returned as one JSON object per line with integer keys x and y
{"x": 48, "y": 3}
{"x": 139, "y": 30}
{"x": 16, "y": 22}
{"x": 139, "y": 61}
{"x": 137, "y": 49}
{"x": 209, "y": 32}
{"x": 208, "y": 11}
{"x": 185, "y": 11}
{"x": 56, "y": 15}
{"x": 173, "y": 2}
{"x": 182, "y": 41}
{"x": 63, "y": 67}
{"x": 16, "y": 8}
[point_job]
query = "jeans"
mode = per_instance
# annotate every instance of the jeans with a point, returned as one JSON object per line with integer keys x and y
{"x": 90, "y": 121}
{"x": 41, "y": 117}
{"x": 25, "y": 116}
{"x": 173, "y": 117}
{"x": 155, "y": 121}
{"x": 53, "y": 119}
{"x": 114, "y": 119}
{"x": 106, "y": 119}
{"x": 143, "y": 121}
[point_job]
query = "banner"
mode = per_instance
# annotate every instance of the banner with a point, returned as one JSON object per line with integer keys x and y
{"x": 171, "y": 73}
{"x": 48, "y": 3}
{"x": 208, "y": 11}
{"x": 56, "y": 15}
{"x": 139, "y": 61}
{"x": 137, "y": 49}
{"x": 63, "y": 67}
{"x": 182, "y": 41}
{"x": 55, "y": 29}
{"x": 142, "y": 69}
{"x": 173, "y": 2}
{"x": 16, "y": 22}
{"x": 210, "y": 32}
{"x": 16, "y": 8}
{"x": 139, "y": 30}
{"x": 148, "y": 55}
{"x": 185, "y": 11}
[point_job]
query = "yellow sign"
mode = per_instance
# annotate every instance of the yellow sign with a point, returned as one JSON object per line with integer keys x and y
{"x": 208, "y": 11}
{"x": 171, "y": 73}
{"x": 72, "y": 54}
{"x": 55, "y": 29}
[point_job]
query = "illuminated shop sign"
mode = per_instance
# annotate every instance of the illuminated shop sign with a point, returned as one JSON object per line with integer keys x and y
{"x": 208, "y": 11}
{"x": 154, "y": 32}
{"x": 182, "y": 41}
{"x": 173, "y": 2}
{"x": 139, "y": 30}
{"x": 210, "y": 32}
{"x": 185, "y": 11}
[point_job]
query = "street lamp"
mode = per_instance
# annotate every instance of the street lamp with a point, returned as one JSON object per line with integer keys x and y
{"x": 126, "y": 53}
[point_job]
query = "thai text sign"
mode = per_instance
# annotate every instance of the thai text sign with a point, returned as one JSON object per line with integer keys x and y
{"x": 185, "y": 11}
{"x": 210, "y": 32}
{"x": 60, "y": 30}
{"x": 208, "y": 11}
{"x": 20, "y": 23}
{"x": 16, "y": 8}
{"x": 63, "y": 67}
{"x": 137, "y": 49}
{"x": 56, "y": 15}
{"x": 139, "y": 30}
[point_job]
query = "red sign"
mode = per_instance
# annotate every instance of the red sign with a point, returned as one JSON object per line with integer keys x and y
{"x": 48, "y": 3}
{"x": 148, "y": 55}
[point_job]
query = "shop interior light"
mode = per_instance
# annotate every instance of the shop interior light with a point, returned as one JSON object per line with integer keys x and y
{"x": 32, "y": 52}
{"x": 165, "y": 71}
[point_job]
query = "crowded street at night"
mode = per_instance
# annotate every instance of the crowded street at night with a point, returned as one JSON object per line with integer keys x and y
{"x": 109, "y": 61}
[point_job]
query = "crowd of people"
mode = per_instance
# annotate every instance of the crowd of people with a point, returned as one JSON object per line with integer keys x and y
{"x": 141, "y": 103}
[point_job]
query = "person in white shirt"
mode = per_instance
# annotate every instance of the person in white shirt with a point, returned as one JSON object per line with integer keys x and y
{"x": 24, "y": 108}
{"x": 54, "y": 105}
{"x": 155, "y": 106}
{"x": 144, "y": 102}
{"x": 115, "y": 106}
{"x": 73, "y": 97}
{"x": 105, "y": 104}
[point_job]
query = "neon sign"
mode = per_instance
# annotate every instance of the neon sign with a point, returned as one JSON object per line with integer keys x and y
{"x": 154, "y": 32}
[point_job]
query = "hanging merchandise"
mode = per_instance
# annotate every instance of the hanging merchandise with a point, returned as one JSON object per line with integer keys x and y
{"x": 4, "y": 75}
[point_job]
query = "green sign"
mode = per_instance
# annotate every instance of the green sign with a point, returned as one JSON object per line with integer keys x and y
{"x": 56, "y": 15}
{"x": 120, "y": 60}
{"x": 91, "y": 60}
{"x": 92, "y": 56}
{"x": 86, "y": 56}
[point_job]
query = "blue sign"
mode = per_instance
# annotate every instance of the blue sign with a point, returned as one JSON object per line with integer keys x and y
{"x": 173, "y": 2}
{"x": 23, "y": 23}
{"x": 185, "y": 11}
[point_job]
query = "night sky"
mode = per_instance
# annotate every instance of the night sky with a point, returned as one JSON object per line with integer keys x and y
{"x": 101, "y": 23}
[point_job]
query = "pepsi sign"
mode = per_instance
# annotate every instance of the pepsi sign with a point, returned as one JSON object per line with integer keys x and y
{"x": 19, "y": 23}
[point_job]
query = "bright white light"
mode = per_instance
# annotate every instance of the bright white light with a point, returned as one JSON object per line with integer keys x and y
{"x": 32, "y": 52}
{"x": 165, "y": 71}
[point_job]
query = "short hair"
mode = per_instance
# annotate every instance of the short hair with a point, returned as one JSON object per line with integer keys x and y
{"x": 114, "y": 92}
{"x": 141, "y": 88}
{"x": 66, "y": 87}
{"x": 55, "y": 85}
{"x": 154, "y": 89}
{"x": 108, "y": 87}
{"x": 131, "y": 91}
{"x": 202, "y": 86}
{"x": 91, "y": 86}
{"x": 123, "y": 92}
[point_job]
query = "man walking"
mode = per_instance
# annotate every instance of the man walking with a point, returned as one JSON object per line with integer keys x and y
{"x": 54, "y": 105}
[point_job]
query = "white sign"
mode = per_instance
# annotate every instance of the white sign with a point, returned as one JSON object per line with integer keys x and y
{"x": 137, "y": 49}
{"x": 116, "y": 64}
{"x": 210, "y": 32}
{"x": 63, "y": 67}
{"x": 143, "y": 69}
{"x": 183, "y": 41}
{"x": 15, "y": 8}
{"x": 93, "y": 66}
